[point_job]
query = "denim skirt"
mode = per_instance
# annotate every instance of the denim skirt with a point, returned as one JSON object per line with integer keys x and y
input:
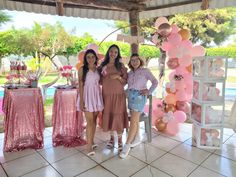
{"x": 136, "y": 101}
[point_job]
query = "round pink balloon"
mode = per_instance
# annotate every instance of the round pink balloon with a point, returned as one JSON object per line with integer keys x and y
{"x": 180, "y": 116}
{"x": 166, "y": 46}
{"x": 174, "y": 38}
{"x": 198, "y": 51}
{"x": 172, "y": 127}
{"x": 171, "y": 75}
{"x": 92, "y": 46}
{"x": 180, "y": 95}
{"x": 185, "y": 60}
{"x": 175, "y": 29}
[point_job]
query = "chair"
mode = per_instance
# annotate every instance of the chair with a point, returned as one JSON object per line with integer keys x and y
{"x": 147, "y": 119}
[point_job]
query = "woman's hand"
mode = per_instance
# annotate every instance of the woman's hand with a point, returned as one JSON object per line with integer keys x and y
{"x": 82, "y": 106}
{"x": 144, "y": 92}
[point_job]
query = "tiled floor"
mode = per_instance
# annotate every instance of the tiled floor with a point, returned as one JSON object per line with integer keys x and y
{"x": 165, "y": 156}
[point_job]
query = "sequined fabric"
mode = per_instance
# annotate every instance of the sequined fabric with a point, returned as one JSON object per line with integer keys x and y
{"x": 24, "y": 119}
{"x": 67, "y": 121}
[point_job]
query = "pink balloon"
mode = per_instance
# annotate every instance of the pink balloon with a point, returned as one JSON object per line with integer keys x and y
{"x": 174, "y": 38}
{"x": 180, "y": 95}
{"x": 172, "y": 63}
{"x": 198, "y": 51}
{"x": 157, "y": 111}
{"x": 185, "y": 61}
{"x": 166, "y": 46}
{"x": 181, "y": 70}
{"x": 175, "y": 29}
{"x": 172, "y": 53}
{"x": 92, "y": 46}
{"x": 171, "y": 75}
{"x": 172, "y": 127}
{"x": 180, "y": 116}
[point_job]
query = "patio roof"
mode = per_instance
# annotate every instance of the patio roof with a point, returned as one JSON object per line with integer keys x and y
{"x": 112, "y": 9}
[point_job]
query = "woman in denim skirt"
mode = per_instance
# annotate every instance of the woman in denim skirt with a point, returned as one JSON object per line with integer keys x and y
{"x": 137, "y": 97}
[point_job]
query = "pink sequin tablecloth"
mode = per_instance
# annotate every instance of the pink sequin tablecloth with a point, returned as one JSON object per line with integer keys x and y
{"x": 24, "y": 119}
{"x": 67, "y": 122}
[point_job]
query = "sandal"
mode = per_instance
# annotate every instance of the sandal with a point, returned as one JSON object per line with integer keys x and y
{"x": 94, "y": 146}
{"x": 91, "y": 153}
{"x": 110, "y": 143}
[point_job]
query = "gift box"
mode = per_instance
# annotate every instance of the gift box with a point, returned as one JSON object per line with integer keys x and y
{"x": 207, "y": 114}
{"x": 210, "y": 67}
{"x": 208, "y": 91}
{"x": 207, "y": 137}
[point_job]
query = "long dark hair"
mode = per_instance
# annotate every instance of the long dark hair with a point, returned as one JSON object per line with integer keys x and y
{"x": 107, "y": 58}
{"x": 85, "y": 66}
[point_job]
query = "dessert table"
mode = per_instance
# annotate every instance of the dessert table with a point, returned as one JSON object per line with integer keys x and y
{"x": 67, "y": 122}
{"x": 23, "y": 119}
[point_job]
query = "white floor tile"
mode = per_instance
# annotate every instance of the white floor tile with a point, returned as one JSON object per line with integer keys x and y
{"x": 24, "y": 165}
{"x": 8, "y": 156}
{"x": 102, "y": 153}
{"x": 47, "y": 133}
{"x": 57, "y": 153}
{"x": 181, "y": 136}
{"x": 47, "y": 143}
{"x": 203, "y": 172}
{"x": 1, "y": 135}
{"x": 50, "y": 129}
{"x": 225, "y": 138}
{"x": 227, "y": 151}
{"x": 228, "y": 131}
{"x": 2, "y": 172}
{"x": 146, "y": 152}
{"x": 47, "y": 171}
{"x": 185, "y": 127}
{"x": 74, "y": 165}
{"x": 190, "y": 153}
{"x": 164, "y": 143}
{"x": 174, "y": 165}
{"x": 84, "y": 147}
{"x": 221, "y": 165}
{"x": 98, "y": 171}
{"x": 150, "y": 172}
{"x": 189, "y": 142}
{"x": 123, "y": 167}
{"x": 231, "y": 142}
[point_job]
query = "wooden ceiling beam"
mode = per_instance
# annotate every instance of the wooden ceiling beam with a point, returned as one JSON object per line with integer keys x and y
{"x": 173, "y": 4}
{"x": 118, "y": 4}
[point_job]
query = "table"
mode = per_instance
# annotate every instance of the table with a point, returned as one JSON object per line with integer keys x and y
{"x": 24, "y": 119}
{"x": 67, "y": 122}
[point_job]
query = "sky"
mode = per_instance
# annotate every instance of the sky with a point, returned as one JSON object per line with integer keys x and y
{"x": 99, "y": 29}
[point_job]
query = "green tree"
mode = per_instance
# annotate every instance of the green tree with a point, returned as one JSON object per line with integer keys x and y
{"x": 4, "y": 18}
{"x": 50, "y": 40}
{"x": 205, "y": 26}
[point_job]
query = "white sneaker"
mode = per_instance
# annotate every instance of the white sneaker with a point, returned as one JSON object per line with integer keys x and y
{"x": 125, "y": 151}
{"x": 136, "y": 142}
